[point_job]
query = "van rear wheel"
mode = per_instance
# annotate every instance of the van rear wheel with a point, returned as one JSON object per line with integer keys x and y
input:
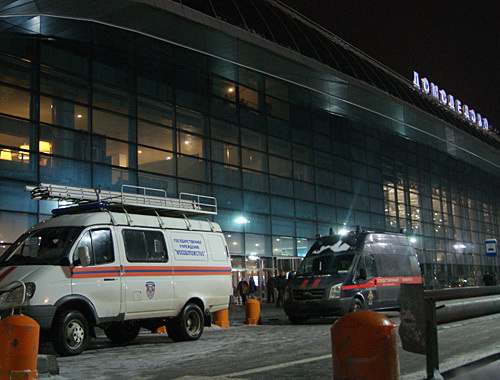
{"x": 70, "y": 333}
{"x": 356, "y": 305}
{"x": 188, "y": 325}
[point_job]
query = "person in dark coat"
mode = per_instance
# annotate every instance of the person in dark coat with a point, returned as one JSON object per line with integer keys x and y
{"x": 243, "y": 290}
{"x": 488, "y": 279}
{"x": 270, "y": 289}
{"x": 280, "y": 286}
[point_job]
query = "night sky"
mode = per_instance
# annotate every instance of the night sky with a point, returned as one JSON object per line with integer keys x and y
{"x": 455, "y": 44}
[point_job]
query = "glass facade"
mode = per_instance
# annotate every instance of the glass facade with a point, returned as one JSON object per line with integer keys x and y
{"x": 291, "y": 161}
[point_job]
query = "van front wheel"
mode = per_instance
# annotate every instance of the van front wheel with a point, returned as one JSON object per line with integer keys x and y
{"x": 70, "y": 333}
{"x": 188, "y": 325}
{"x": 356, "y": 305}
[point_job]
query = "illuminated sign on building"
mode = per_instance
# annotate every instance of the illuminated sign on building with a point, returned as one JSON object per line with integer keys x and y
{"x": 449, "y": 100}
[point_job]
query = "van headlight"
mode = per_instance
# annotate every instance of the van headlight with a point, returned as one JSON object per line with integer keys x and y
{"x": 335, "y": 291}
{"x": 14, "y": 297}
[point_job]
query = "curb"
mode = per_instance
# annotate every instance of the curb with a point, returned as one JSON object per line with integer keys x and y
{"x": 47, "y": 364}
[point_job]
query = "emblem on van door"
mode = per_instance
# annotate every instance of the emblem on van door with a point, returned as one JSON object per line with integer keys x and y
{"x": 150, "y": 289}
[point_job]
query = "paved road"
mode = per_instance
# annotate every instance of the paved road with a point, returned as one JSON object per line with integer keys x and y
{"x": 273, "y": 350}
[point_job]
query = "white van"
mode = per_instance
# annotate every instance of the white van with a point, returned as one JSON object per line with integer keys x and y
{"x": 117, "y": 262}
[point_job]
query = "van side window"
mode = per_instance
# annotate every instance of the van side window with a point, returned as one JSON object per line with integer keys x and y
{"x": 100, "y": 246}
{"x": 144, "y": 246}
{"x": 365, "y": 262}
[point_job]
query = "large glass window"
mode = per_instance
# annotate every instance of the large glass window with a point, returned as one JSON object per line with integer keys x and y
{"x": 256, "y": 202}
{"x": 279, "y": 147}
{"x": 191, "y": 121}
{"x": 223, "y": 108}
{"x": 280, "y": 166}
{"x": 153, "y": 111}
{"x": 156, "y": 161}
{"x": 63, "y": 86}
{"x": 112, "y": 178}
{"x": 111, "y": 99}
{"x": 155, "y": 136}
{"x": 154, "y": 89}
{"x": 227, "y": 197}
{"x": 226, "y": 153}
{"x": 223, "y": 88}
{"x": 112, "y": 125}
{"x": 193, "y": 168}
{"x": 226, "y": 175}
{"x": 64, "y": 171}
{"x": 112, "y": 152}
{"x": 282, "y": 206}
{"x": 10, "y": 199}
{"x": 54, "y": 56}
{"x": 15, "y": 102}
{"x": 193, "y": 145}
{"x": 159, "y": 182}
{"x": 63, "y": 113}
{"x": 254, "y": 160}
{"x": 64, "y": 142}
{"x": 252, "y": 139}
{"x": 14, "y": 71}
{"x": 225, "y": 131}
{"x": 257, "y": 245}
{"x": 255, "y": 181}
{"x": 283, "y": 245}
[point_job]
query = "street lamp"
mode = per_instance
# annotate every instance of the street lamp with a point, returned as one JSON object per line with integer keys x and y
{"x": 241, "y": 220}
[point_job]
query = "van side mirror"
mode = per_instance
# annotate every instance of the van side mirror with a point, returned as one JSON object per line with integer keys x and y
{"x": 362, "y": 274}
{"x": 84, "y": 256}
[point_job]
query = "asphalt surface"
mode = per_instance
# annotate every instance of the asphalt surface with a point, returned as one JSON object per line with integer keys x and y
{"x": 105, "y": 360}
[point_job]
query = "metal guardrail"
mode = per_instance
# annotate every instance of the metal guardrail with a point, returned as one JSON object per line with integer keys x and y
{"x": 420, "y": 316}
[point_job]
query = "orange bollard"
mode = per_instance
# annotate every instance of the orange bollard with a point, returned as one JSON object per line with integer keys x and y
{"x": 221, "y": 318}
{"x": 252, "y": 312}
{"x": 364, "y": 347}
{"x": 19, "y": 337}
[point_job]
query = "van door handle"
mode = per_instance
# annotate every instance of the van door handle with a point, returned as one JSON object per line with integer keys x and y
{"x": 109, "y": 279}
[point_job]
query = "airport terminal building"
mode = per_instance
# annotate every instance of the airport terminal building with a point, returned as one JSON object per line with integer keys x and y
{"x": 293, "y": 130}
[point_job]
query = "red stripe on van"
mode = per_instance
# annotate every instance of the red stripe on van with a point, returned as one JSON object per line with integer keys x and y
{"x": 315, "y": 283}
{"x": 95, "y": 272}
{"x": 386, "y": 281}
{"x": 148, "y": 271}
{"x": 135, "y": 271}
{"x": 304, "y": 284}
{"x": 177, "y": 271}
{"x": 6, "y": 273}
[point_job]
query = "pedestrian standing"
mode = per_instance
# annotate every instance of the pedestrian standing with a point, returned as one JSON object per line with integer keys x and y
{"x": 270, "y": 289}
{"x": 488, "y": 279}
{"x": 243, "y": 290}
{"x": 280, "y": 285}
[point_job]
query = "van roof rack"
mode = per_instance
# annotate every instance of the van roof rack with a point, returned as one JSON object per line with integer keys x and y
{"x": 131, "y": 199}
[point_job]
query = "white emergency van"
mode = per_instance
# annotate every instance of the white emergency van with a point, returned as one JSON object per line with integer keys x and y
{"x": 119, "y": 261}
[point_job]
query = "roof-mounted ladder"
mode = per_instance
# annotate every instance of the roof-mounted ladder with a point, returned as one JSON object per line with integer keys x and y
{"x": 134, "y": 199}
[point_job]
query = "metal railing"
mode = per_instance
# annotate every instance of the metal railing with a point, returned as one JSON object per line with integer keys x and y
{"x": 420, "y": 316}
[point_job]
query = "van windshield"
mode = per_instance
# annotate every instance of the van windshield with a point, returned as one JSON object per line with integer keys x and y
{"x": 48, "y": 246}
{"x": 326, "y": 264}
